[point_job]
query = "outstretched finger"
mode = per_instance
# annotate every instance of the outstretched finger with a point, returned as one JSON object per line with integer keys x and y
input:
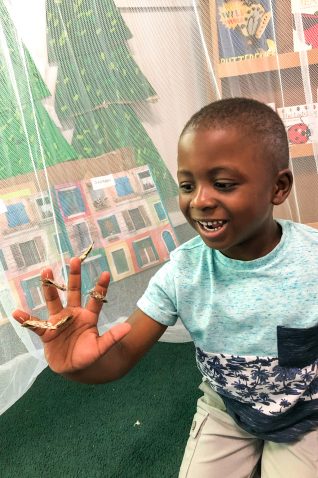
{"x": 74, "y": 283}
{"x": 21, "y": 317}
{"x": 50, "y": 291}
{"x": 98, "y": 294}
{"x": 112, "y": 336}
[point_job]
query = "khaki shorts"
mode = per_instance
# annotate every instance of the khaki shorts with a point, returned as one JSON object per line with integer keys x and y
{"x": 219, "y": 448}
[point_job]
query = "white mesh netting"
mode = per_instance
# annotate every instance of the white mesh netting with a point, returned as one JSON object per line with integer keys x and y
{"x": 93, "y": 96}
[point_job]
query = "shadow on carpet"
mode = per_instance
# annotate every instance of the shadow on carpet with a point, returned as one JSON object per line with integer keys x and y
{"x": 136, "y": 427}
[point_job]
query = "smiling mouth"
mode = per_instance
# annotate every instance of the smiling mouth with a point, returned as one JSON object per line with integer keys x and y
{"x": 211, "y": 226}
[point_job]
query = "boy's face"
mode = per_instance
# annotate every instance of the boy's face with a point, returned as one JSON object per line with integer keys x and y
{"x": 226, "y": 190}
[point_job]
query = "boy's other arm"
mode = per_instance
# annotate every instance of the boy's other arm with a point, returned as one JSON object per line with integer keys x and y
{"x": 74, "y": 347}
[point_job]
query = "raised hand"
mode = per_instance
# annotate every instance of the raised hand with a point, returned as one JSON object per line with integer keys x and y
{"x": 76, "y": 344}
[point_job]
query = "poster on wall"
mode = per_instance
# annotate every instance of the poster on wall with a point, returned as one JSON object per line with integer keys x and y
{"x": 305, "y": 31}
{"x": 245, "y": 29}
{"x": 301, "y": 122}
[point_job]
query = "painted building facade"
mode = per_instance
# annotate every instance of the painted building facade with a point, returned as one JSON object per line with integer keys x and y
{"x": 107, "y": 200}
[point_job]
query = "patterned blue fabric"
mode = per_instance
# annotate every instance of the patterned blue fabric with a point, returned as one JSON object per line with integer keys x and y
{"x": 268, "y": 400}
{"x": 235, "y": 312}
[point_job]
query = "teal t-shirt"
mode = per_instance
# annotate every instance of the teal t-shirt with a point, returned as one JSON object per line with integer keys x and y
{"x": 254, "y": 325}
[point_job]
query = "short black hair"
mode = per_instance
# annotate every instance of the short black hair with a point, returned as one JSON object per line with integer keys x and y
{"x": 255, "y": 119}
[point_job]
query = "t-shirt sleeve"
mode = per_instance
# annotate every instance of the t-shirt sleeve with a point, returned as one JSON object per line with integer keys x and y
{"x": 159, "y": 299}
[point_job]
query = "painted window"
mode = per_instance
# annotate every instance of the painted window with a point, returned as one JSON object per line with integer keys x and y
{"x": 99, "y": 198}
{"x": 82, "y": 234}
{"x": 146, "y": 180}
{"x": 16, "y": 215}
{"x": 160, "y": 211}
{"x": 120, "y": 261}
{"x": 94, "y": 267}
{"x": 145, "y": 252}
{"x": 44, "y": 206}
{"x": 136, "y": 218}
{"x": 28, "y": 253}
{"x": 168, "y": 239}
{"x": 33, "y": 291}
{"x": 109, "y": 226}
{"x": 123, "y": 186}
{"x": 63, "y": 242}
{"x": 71, "y": 201}
{"x": 3, "y": 261}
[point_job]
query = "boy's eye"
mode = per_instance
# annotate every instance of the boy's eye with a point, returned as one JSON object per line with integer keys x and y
{"x": 186, "y": 187}
{"x": 224, "y": 185}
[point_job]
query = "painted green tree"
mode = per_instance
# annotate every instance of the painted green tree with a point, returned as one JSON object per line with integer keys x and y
{"x": 29, "y": 139}
{"x": 99, "y": 83}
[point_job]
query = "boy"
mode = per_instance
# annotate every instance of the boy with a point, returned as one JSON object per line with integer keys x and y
{"x": 243, "y": 288}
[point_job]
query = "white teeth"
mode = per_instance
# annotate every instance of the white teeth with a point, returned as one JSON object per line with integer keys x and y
{"x": 212, "y": 225}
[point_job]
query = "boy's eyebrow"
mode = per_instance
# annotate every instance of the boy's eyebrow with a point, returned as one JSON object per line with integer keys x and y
{"x": 212, "y": 171}
{"x": 184, "y": 172}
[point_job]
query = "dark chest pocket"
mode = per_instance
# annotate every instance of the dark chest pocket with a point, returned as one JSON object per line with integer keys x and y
{"x": 297, "y": 348}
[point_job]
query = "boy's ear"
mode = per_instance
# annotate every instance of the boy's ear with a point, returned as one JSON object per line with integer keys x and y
{"x": 283, "y": 185}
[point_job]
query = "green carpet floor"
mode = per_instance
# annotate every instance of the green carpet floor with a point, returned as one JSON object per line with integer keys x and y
{"x": 136, "y": 427}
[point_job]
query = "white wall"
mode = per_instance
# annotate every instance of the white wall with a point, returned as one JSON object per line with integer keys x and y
{"x": 153, "y": 3}
{"x": 29, "y": 18}
{"x": 166, "y": 46}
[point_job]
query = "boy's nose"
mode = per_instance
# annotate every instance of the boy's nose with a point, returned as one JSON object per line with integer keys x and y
{"x": 203, "y": 198}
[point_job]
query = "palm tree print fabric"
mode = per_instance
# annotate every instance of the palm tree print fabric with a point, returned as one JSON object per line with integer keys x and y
{"x": 260, "y": 393}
